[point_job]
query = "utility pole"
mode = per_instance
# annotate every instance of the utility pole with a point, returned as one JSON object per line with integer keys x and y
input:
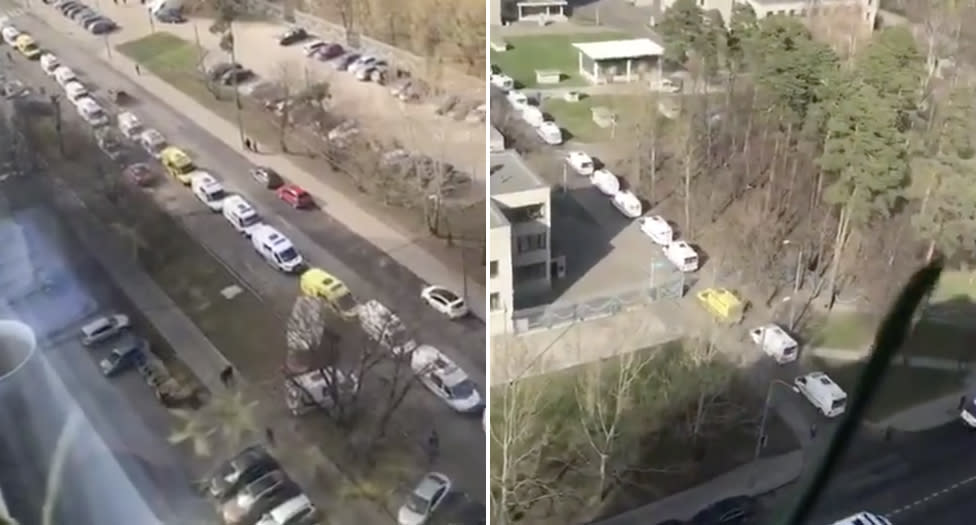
{"x": 56, "y": 105}
{"x": 237, "y": 93}
{"x": 797, "y": 280}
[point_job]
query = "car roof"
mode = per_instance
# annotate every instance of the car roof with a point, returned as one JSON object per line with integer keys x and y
{"x": 430, "y": 484}
{"x": 434, "y": 361}
{"x": 95, "y": 324}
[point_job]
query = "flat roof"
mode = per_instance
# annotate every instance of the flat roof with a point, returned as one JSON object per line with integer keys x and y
{"x": 611, "y": 49}
{"x": 509, "y": 174}
{"x": 498, "y": 218}
{"x": 542, "y": 3}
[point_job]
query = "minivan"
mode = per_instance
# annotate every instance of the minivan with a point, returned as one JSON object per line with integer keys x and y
{"x": 241, "y": 215}
{"x": 276, "y": 249}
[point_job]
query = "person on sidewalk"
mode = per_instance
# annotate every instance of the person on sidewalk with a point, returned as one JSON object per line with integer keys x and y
{"x": 227, "y": 376}
{"x": 247, "y": 144}
{"x": 138, "y": 70}
{"x": 269, "y": 435}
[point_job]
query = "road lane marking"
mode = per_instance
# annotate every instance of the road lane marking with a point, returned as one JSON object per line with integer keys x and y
{"x": 931, "y": 496}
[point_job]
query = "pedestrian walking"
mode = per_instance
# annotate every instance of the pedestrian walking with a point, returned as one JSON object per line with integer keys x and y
{"x": 813, "y": 431}
{"x": 138, "y": 70}
{"x": 962, "y": 403}
{"x": 269, "y": 435}
{"x": 247, "y": 145}
{"x": 227, "y": 376}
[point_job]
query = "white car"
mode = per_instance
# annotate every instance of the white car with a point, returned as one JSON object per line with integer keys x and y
{"x": 444, "y": 301}
{"x": 49, "y": 63}
{"x": 581, "y": 163}
{"x": 75, "y": 91}
{"x": 313, "y": 47}
{"x": 517, "y": 99}
{"x": 296, "y": 510}
{"x": 103, "y": 328}
{"x": 657, "y": 228}
{"x": 153, "y": 142}
{"x": 10, "y": 34}
{"x": 208, "y": 190}
{"x": 445, "y": 379}
{"x": 424, "y": 499}
{"x": 130, "y": 125}
{"x": 550, "y": 133}
{"x": 503, "y": 82}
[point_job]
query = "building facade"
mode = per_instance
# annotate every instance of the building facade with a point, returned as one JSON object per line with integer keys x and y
{"x": 520, "y": 236}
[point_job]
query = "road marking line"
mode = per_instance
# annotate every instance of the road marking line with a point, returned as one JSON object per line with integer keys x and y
{"x": 930, "y": 496}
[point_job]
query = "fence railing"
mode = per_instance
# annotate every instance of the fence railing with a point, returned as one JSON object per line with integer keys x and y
{"x": 554, "y": 315}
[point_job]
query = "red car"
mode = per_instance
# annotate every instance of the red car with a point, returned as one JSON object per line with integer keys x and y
{"x": 295, "y": 196}
{"x": 141, "y": 174}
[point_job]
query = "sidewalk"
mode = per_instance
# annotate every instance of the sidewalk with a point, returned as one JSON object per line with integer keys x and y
{"x": 398, "y": 245}
{"x": 935, "y": 363}
{"x": 194, "y": 349}
{"x": 753, "y": 479}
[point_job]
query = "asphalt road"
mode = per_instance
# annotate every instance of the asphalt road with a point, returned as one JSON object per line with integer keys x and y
{"x": 907, "y": 479}
{"x": 322, "y": 240}
{"x": 59, "y": 288}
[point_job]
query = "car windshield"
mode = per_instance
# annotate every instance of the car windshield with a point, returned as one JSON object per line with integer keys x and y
{"x": 216, "y": 195}
{"x": 346, "y": 302}
{"x": 250, "y": 220}
{"x": 462, "y": 390}
{"x": 417, "y": 504}
{"x": 288, "y": 254}
{"x": 187, "y": 167}
{"x": 448, "y": 296}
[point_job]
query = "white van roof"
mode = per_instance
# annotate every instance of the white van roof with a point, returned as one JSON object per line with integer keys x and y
{"x": 64, "y": 72}
{"x": 822, "y": 383}
{"x": 655, "y": 223}
{"x": 238, "y": 205}
{"x": 205, "y": 180}
{"x": 128, "y": 119}
{"x": 287, "y": 510}
{"x": 682, "y": 249}
{"x": 73, "y": 87}
{"x": 88, "y": 105}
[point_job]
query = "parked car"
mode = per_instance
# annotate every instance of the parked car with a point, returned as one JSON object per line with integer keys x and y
{"x": 329, "y": 52}
{"x": 235, "y": 75}
{"x": 104, "y": 328}
{"x": 313, "y": 47}
{"x": 102, "y": 26}
{"x": 124, "y": 357}
{"x": 737, "y": 510}
{"x": 364, "y": 73}
{"x": 444, "y": 301}
{"x": 216, "y": 71}
{"x": 424, "y": 499}
{"x": 153, "y": 142}
{"x": 140, "y": 173}
{"x": 296, "y": 511}
{"x": 362, "y": 62}
{"x": 247, "y": 466}
{"x": 267, "y": 177}
{"x": 445, "y": 379}
{"x": 294, "y": 35}
{"x": 258, "y": 497}
{"x": 295, "y": 196}
{"x": 170, "y": 16}
{"x": 343, "y": 62}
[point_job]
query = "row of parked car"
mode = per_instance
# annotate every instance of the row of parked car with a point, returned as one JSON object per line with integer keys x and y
{"x": 526, "y": 108}
{"x": 88, "y": 18}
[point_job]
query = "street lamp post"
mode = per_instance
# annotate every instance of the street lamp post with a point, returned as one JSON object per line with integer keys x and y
{"x": 761, "y": 438}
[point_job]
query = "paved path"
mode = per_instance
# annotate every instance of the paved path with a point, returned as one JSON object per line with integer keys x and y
{"x": 399, "y": 245}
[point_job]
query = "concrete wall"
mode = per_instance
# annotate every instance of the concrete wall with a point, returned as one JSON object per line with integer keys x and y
{"x": 866, "y": 9}
{"x": 500, "y": 241}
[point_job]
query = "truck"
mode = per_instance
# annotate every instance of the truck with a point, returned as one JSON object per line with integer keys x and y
{"x": 304, "y": 331}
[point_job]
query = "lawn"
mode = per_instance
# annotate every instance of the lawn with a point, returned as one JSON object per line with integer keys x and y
{"x": 172, "y": 59}
{"x": 955, "y": 285}
{"x": 577, "y": 117}
{"x": 893, "y": 396}
{"x": 526, "y": 54}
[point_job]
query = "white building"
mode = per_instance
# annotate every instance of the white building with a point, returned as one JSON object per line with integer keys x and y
{"x": 865, "y": 9}
{"x": 519, "y": 240}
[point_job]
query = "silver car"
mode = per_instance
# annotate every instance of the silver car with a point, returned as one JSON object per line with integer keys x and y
{"x": 259, "y": 496}
{"x": 103, "y": 328}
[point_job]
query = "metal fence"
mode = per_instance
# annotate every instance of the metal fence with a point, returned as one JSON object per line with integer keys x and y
{"x": 557, "y": 314}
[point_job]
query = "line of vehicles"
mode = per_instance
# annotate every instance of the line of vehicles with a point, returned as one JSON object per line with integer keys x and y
{"x": 547, "y": 130}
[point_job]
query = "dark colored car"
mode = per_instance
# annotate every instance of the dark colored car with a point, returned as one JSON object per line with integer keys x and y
{"x": 292, "y": 36}
{"x": 737, "y": 510}
{"x": 295, "y": 196}
{"x": 124, "y": 357}
{"x": 170, "y": 16}
{"x": 330, "y": 51}
{"x": 345, "y": 61}
{"x": 236, "y": 75}
{"x": 140, "y": 173}
{"x": 102, "y": 27}
{"x": 252, "y": 463}
{"x": 268, "y": 177}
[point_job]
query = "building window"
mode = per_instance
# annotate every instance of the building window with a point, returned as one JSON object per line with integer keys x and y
{"x": 493, "y": 269}
{"x": 532, "y": 272}
{"x": 530, "y": 243}
{"x": 494, "y": 302}
{"x": 525, "y": 213}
